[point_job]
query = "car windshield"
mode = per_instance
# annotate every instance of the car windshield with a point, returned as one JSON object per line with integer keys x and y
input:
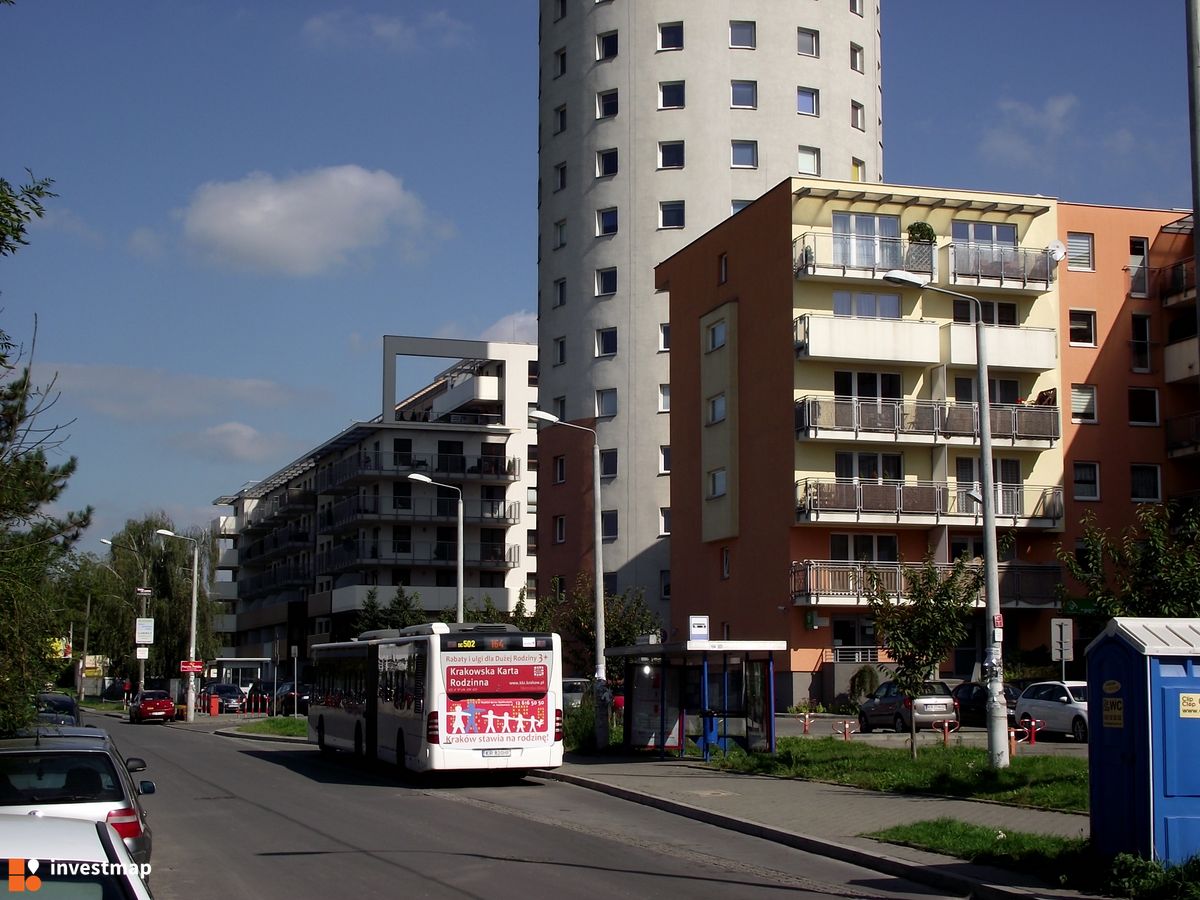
{"x": 934, "y": 689}
{"x": 56, "y": 702}
{"x": 1079, "y": 692}
{"x": 42, "y": 778}
{"x": 156, "y": 695}
{"x": 228, "y": 689}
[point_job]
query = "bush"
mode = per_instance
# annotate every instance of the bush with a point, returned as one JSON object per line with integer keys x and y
{"x": 1144, "y": 879}
{"x": 862, "y": 683}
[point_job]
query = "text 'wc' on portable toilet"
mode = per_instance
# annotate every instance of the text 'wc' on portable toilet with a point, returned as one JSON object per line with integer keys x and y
{"x": 1143, "y": 696}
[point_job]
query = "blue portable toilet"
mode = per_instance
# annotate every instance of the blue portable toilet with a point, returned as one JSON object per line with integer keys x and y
{"x": 1143, "y": 699}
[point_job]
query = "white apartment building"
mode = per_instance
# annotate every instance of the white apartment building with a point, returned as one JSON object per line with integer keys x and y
{"x": 304, "y": 546}
{"x": 659, "y": 119}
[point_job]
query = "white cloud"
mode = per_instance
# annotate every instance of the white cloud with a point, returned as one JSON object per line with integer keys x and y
{"x": 145, "y": 243}
{"x": 518, "y": 327}
{"x": 232, "y": 442}
{"x": 306, "y": 223}
{"x": 68, "y": 222}
{"x": 346, "y": 28}
{"x": 1029, "y": 136}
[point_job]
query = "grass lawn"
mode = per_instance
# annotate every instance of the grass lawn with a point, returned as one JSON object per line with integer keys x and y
{"x": 102, "y": 706}
{"x": 278, "y": 725}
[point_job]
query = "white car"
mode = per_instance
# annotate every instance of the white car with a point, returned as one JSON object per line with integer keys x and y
{"x": 70, "y": 858}
{"x": 1061, "y": 705}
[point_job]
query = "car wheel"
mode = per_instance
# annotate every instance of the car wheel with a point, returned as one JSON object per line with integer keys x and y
{"x": 898, "y": 724}
{"x": 1079, "y": 730}
{"x": 863, "y": 725}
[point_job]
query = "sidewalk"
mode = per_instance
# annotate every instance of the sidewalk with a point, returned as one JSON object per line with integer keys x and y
{"x": 823, "y": 818}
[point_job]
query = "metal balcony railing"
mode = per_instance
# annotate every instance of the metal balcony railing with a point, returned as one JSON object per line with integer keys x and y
{"x": 1000, "y": 263}
{"x": 834, "y": 580}
{"x": 354, "y": 510}
{"x": 364, "y": 554}
{"x": 373, "y": 465}
{"x": 1183, "y": 432}
{"x": 1172, "y": 283}
{"x": 860, "y": 255}
{"x": 924, "y": 417}
{"x": 924, "y": 498}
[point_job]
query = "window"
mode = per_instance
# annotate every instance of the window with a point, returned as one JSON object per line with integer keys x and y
{"x": 716, "y": 409}
{"x": 1143, "y": 406}
{"x": 560, "y": 407}
{"x": 664, "y": 398}
{"x": 722, "y": 268}
{"x": 743, "y": 94}
{"x": 808, "y": 101}
{"x": 606, "y": 45}
{"x": 858, "y": 170}
{"x": 856, "y": 58}
{"x": 608, "y": 524}
{"x": 606, "y": 402}
{"x": 606, "y": 342}
{"x": 560, "y": 469}
{"x": 664, "y": 336}
{"x": 808, "y": 43}
{"x": 560, "y": 233}
{"x": 725, "y": 568}
{"x": 1005, "y": 391}
{"x": 994, "y": 312}
{"x": 670, "y": 36}
{"x": 606, "y": 282}
{"x": 606, "y": 104}
{"x": 808, "y": 161}
{"x": 606, "y": 162}
{"x": 870, "y": 385}
{"x": 560, "y": 529}
{"x": 560, "y": 176}
{"x": 1139, "y": 345}
{"x": 670, "y": 214}
{"x": 606, "y": 221}
{"x": 736, "y": 206}
{"x": 1087, "y": 481}
{"x": 1139, "y": 251}
{"x": 741, "y": 35}
{"x": 1144, "y": 483}
{"x": 560, "y": 9}
{"x": 560, "y": 62}
{"x": 560, "y": 351}
{"x": 608, "y": 463}
{"x": 664, "y": 520}
{"x": 670, "y": 95}
{"x": 560, "y": 291}
{"x": 856, "y": 7}
{"x": 1082, "y": 327}
{"x": 745, "y": 154}
{"x": 858, "y": 115}
{"x": 866, "y": 305}
{"x": 670, "y": 154}
{"x": 1083, "y": 403}
{"x": 716, "y": 483}
{"x": 664, "y": 584}
{"x": 664, "y": 459}
{"x": 560, "y": 119}
{"x": 716, "y": 335}
{"x": 1079, "y": 251}
{"x": 870, "y": 467}
{"x": 865, "y": 547}
{"x": 866, "y": 240}
{"x": 531, "y": 546}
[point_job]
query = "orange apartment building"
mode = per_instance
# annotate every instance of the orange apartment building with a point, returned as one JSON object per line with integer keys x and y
{"x": 824, "y": 419}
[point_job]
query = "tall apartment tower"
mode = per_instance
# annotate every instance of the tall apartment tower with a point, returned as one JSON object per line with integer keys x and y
{"x": 658, "y": 119}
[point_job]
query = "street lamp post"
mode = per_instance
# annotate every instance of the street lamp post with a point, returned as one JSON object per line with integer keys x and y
{"x": 997, "y": 707}
{"x": 425, "y": 479}
{"x": 191, "y": 676}
{"x": 601, "y": 673}
{"x": 139, "y": 591}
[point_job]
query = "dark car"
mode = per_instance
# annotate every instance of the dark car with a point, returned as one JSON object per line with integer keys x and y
{"x": 229, "y": 697}
{"x": 152, "y": 706}
{"x": 57, "y": 709}
{"x": 972, "y": 697}
{"x": 261, "y": 698}
{"x": 888, "y": 707}
{"x": 286, "y": 701}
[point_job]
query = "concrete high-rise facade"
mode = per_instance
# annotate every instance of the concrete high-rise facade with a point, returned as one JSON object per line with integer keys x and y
{"x": 658, "y": 120}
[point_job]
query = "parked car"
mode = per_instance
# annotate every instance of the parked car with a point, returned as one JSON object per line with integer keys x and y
{"x": 972, "y": 697}
{"x": 288, "y": 702}
{"x": 88, "y": 858}
{"x": 261, "y": 698}
{"x": 887, "y": 707}
{"x": 151, "y": 706}
{"x": 54, "y": 708}
{"x": 1062, "y": 705}
{"x": 573, "y": 691}
{"x": 75, "y": 773}
{"x": 229, "y": 697}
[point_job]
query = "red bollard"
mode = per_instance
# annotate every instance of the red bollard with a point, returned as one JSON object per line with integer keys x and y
{"x": 844, "y": 728}
{"x": 946, "y": 727}
{"x": 808, "y": 720}
{"x": 1032, "y": 727}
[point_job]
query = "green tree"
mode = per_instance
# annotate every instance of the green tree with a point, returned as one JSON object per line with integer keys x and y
{"x": 404, "y": 610}
{"x": 919, "y": 629}
{"x": 370, "y": 617}
{"x": 573, "y": 615}
{"x": 1152, "y": 569}
{"x": 19, "y": 205}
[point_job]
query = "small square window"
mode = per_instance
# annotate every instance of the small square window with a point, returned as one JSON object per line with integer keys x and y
{"x": 560, "y": 407}
{"x": 664, "y": 336}
{"x": 736, "y": 206}
{"x": 606, "y": 162}
{"x": 664, "y": 520}
{"x": 857, "y": 58}
{"x": 1080, "y": 252}
{"x": 606, "y": 402}
{"x": 1083, "y": 403}
{"x": 606, "y": 342}
{"x": 725, "y": 563}
{"x": 560, "y": 62}
{"x": 671, "y": 95}
{"x": 560, "y": 292}
{"x": 606, "y": 45}
{"x": 560, "y": 529}
{"x": 608, "y": 524}
{"x": 664, "y": 584}
{"x": 808, "y": 42}
{"x": 560, "y": 469}
{"x": 670, "y": 154}
{"x": 560, "y": 351}
{"x": 858, "y": 170}
{"x": 1087, "y": 481}
{"x": 716, "y": 335}
{"x": 606, "y": 104}
{"x": 1145, "y": 485}
{"x": 744, "y": 155}
{"x": 608, "y": 463}
{"x": 858, "y": 115}
{"x": 722, "y": 268}
{"x": 606, "y": 282}
{"x": 716, "y": 483}
{"x": 560, "y": 176}
{"x": 664, "y": 459}
{"x": 716, "y": 409}
{"x": 856, "y": 7}
{"x": 664, "y": 398}
{"x": 808, "y": 101}
{"x": 671, "y": 214}
{"x": 670, "y": 36}
{"x": 560, "y": 119}
{"x": 560, "y": 9}
{"x": 808, "y": 160}
{"x": 1083, "y": 327}
{"x": 606, "y": 221}
{"x": 1143, "y": 406}
{"x": 742, "y": 35}
{"x": 743, "y": 94}
{"x": 560, "y": 233}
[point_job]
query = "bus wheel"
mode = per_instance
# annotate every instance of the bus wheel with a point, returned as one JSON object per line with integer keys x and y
{"x": 358, "y": 741}
{"x": 321, "y": 745}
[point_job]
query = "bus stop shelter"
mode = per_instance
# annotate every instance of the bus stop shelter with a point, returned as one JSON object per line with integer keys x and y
{"x": 714, "y": 692}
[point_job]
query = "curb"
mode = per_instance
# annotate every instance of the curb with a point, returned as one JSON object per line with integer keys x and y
{"x": 889, "y": 865}
{"x": 278, "y": 738}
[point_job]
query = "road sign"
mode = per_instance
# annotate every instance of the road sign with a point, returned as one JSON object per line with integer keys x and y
{"x": 143, "y": 652}
{"x": 191, "y": 665}
{"x": 144, "y": 631}
{"x": 1062, "y": 640}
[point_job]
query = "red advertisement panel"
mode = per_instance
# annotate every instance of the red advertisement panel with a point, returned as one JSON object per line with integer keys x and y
{"x": 490, "y": 719}
{"x": 477, "y": 680}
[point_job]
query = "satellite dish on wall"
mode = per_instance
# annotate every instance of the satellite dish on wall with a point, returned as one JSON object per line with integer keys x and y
{"x": 1057, "y": 250}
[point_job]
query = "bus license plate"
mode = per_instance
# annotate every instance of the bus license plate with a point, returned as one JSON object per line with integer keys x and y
{"x": 504, "y": 752}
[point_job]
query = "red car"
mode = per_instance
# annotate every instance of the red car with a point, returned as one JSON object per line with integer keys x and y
{"x": 152, "y": 706}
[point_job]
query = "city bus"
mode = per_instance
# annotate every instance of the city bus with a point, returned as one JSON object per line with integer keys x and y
{"x": 441, "y": 696}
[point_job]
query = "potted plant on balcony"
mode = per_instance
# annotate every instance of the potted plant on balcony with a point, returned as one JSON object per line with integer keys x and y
{"x": 922, "y": 241}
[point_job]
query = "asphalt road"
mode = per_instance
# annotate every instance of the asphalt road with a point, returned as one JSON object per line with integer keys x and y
{"x": 235, "y": 818}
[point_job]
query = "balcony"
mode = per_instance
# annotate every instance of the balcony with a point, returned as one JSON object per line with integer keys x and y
{"x": 999, "y": 267}
{"x": 1176, "y": 285}
{"x": 355, "y": 511}
{"x": 922, "y": 422}
{"x": 905, "y": 341}
{"x": 368, "y": 467}
{"x": 818, "y": 254}
{"x": 439, "y": 554}
{"x": 843, "y": 583}
{"x": 923, "y": 503}
{"x": 279, "y": 543}
{"x": 1008, "y": 346}
{"x": 1183, "y": 435}
{"x": 1180, "y": 360}
{"x": 281, "y": 578}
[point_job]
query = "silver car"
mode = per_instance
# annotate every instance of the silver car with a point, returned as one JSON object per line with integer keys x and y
{"x": 1061, "y": 705}
{"x": 888, "y": 708}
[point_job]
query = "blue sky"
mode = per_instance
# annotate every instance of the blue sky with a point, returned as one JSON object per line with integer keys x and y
{"x": 252, "y": 194}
